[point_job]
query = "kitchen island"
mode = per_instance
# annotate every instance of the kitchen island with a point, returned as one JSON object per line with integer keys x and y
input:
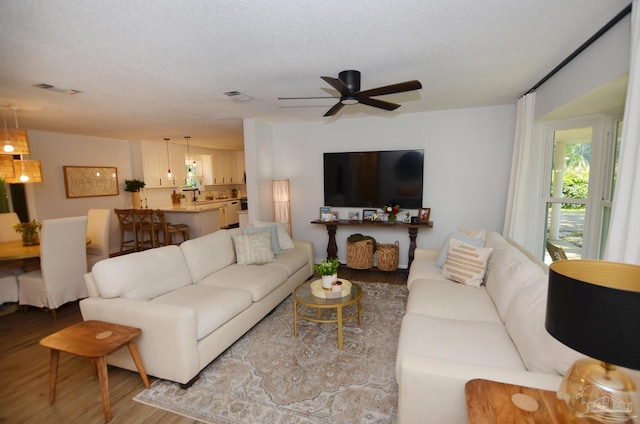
{"x": 202, "y": 217}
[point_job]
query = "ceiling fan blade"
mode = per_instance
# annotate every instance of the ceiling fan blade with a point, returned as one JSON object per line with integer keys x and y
{"x": 391, "y": 89}
{"x": 303, "y": 98}
{"x": 334, "y": 109}
{"x": 378, "y": 103}
{"x": 338, "y": 85}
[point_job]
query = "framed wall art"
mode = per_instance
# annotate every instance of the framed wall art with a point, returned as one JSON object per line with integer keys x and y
{"x": 90, "y": 181}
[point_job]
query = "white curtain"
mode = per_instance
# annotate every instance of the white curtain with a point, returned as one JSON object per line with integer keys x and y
{"x": 519, "y": 196}
{"x": 623, "y": 242}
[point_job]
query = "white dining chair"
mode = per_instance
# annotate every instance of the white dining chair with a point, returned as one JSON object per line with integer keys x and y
{"x": 98, "y": 227}
{"x": 63, "y": 263}
{"x": 9, "y": 270}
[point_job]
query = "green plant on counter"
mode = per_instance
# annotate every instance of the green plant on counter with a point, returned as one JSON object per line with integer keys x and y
{"x": 133, "y": 185}
{"x": 327, "y": 267}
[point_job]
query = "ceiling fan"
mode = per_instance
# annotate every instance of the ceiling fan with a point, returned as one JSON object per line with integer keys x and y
{"x": 348, "y": 85}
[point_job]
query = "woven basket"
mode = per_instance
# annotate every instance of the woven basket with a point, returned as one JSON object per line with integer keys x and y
{"x": 360, "y": 254}
{"x": 388, "y": 256}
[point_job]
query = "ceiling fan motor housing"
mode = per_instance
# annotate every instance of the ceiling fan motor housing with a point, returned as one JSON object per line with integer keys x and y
{"x": 351, "y": 79}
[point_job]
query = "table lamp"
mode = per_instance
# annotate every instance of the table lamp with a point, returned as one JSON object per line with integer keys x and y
{"x": 594, "y": 307}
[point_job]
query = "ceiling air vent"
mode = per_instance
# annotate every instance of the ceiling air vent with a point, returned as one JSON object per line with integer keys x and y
{"x": 236, "y": 95}
{"x": 63, "y": 90}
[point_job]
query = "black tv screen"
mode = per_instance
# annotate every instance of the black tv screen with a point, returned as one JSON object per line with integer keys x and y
{"x": 373, "y": 179}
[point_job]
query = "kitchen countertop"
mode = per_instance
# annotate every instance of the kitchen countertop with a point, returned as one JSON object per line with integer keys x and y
{"x": 200, "y": 205}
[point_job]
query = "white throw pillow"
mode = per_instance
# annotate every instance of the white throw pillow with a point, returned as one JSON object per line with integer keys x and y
{"x": 275, "y": 241}
{"x": 283, "y": 235}
{"x": 465, "y": 263}
{"x": 253, "y": 249}
{"x": 511, "y": 271}
{"x": 539, "y": 350}
{"x": 457, "y": 235}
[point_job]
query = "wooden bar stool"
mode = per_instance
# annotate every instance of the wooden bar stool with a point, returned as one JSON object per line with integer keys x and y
{"x": 147, "y": 227}
{"x": 94, "y": 340}
{"x": 127, "y": 221}
{"x": 169, "y": 229}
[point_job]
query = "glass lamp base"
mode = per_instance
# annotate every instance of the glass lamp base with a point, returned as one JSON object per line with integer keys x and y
{"x": 599, "y": 391}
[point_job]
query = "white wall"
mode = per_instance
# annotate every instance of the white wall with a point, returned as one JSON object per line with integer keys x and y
{"x": 56, "y": 150}
{"x": 467, "y": 165}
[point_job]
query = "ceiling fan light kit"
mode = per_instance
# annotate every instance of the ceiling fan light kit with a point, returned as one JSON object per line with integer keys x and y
{"x": 348, "y": 85}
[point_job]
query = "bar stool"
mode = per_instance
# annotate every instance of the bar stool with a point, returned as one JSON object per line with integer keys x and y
{"x": 146, "y": 225}
{"x": 127, "y": 223}
{"x": 168, "y": 229}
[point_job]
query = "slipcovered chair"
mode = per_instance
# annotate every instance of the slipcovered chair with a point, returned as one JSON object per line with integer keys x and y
{"x": 63, "y": 263}
{"x": 98, "y": 226}
{"x": 9, "y": 270}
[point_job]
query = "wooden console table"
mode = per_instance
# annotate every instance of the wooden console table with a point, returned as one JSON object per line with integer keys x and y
{"x": 332, "y": 226}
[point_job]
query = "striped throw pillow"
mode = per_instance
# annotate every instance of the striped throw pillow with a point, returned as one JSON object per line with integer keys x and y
{"x": 465, "y": 263}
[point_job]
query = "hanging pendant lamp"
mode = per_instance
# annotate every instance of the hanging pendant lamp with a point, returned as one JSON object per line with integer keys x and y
{"x": 16, "y": 141}
{"x": 166, "y": 140}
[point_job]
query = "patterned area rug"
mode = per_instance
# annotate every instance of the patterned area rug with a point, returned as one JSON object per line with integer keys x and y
{"x": 268, "y": 376}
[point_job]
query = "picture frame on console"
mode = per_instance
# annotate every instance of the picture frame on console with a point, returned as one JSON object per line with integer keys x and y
{"x": 423, "y": 215}
{"x": 354, "y": 216}
{"x": 406, "y": 218}
{"x": 367, "y": 214}
{"x": 335, "y": 216}
{"x": 324, "y": 210}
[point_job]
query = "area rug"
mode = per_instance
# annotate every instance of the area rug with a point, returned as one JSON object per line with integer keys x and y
{"x": 268, "y": 376}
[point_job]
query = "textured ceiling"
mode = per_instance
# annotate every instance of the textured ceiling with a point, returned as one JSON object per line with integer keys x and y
{"x": 159, "y": 68}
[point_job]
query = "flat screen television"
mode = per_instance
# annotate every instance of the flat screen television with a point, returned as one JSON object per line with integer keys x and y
{"x": 373, "y": 179}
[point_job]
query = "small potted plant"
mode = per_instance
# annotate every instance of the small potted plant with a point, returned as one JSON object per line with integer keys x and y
{"x": 392, "y": 211}
{"x": 134, "y": 186}
{"x": 29, "y": 232}
{"x": 328, "y": 269}
{"x": 234, "y": 192}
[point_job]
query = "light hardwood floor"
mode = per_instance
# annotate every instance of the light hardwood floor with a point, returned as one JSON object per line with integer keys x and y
{"x": 24, "y": 372}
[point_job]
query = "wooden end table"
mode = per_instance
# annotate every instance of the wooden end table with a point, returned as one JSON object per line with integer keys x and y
{"x": 493, "y": 402}
{"x": 94, "y": 340}
{"x": 302, "y": 295}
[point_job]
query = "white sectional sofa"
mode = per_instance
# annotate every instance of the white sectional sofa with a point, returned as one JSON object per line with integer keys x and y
{"x": 192, "y": 302}
{"x": 452, "y": 333}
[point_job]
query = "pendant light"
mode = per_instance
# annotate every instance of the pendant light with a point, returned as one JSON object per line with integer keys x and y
{"x": 166, "y": 140}
{"x": 189, "y": 172}
{"x": 8, "y": 147}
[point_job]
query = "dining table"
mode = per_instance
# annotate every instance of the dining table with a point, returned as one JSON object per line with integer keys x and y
{"x": 15, "y": 250}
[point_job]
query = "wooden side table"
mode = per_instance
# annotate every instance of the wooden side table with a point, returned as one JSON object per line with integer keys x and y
{"x": 94, "y": 340}
{"x": 493, "y": 402}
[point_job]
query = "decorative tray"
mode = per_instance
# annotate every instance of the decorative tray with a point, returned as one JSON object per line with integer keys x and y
{"x": 318, "y": 291}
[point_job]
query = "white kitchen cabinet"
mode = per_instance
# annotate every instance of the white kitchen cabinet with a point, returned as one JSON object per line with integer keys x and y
{"x": 223, "y": 216}
{"x": 156, "y": 164}
{"x": 225, "y": 168}
{"x": 240, "y": 166}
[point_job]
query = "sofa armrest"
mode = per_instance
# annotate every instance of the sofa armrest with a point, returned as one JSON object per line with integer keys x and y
{"x": 307, "y": 246}
{"x": 435, "y": 387}
{"x": 421, "y": 253}
{"x": 168, "y": 344}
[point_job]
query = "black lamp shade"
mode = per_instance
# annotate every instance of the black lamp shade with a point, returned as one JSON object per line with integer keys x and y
{"x": 594, "y": 308}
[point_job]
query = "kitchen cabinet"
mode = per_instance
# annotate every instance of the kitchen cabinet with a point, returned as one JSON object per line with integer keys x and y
{"x": 225, "y": 168}
{"x": 155, "y": 165}
{"x": 240, "y": 167}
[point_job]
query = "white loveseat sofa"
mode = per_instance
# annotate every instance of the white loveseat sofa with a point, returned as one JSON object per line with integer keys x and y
{"x": 452, "y": 333}
{"x": 191, "y": 302}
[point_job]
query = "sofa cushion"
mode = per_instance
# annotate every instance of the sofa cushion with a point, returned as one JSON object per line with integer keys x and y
{"x": 424, "y": 267}
{"x": 213, "y": 306}
{"x": 456, "y": 235}
{"x": 444, "y": 299}
{"x": 474, "y": 342}
{"x": 253, "y": 249}
{"x": 259, "y": 280}
{"x": 291, "y": 260}
{"x": 283, "y": 235}
{"x": 275, "y": 243}
{"x": 208, "y": 254}
{"x": 465, "y": 263}
{"x": 142, "y": 275}
{"x": 511, "y": 271}
{"x": 524, "y": 321}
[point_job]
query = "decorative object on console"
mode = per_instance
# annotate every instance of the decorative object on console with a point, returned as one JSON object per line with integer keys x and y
{"x": 281, "y": 202}
{"x": 324, "y": 210}
{"x": 367, "y": 214}
{"x": 392, "y": 211}
{"x": 423, "y": 215}
{"x": 594, "y": 307}
{"x": 29, "y": 232}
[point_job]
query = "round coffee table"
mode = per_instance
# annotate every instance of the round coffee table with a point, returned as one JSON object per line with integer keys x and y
{"x": 302, "y": 295}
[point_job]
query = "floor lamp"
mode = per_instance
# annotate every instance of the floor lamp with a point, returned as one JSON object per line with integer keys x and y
{"x": 281, "y": 203}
